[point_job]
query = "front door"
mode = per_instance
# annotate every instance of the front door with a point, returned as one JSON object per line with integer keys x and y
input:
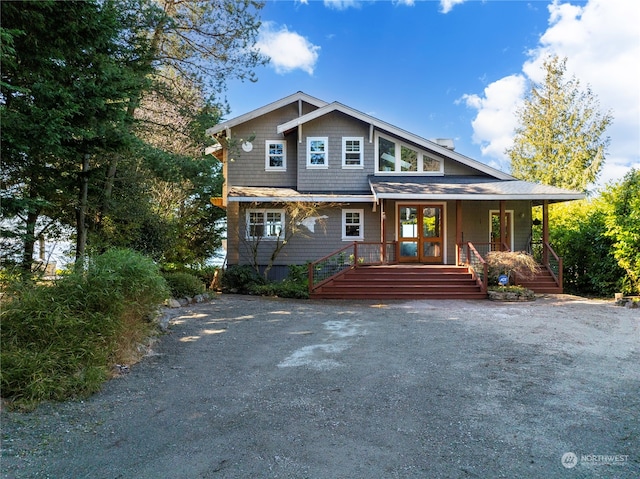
{"x": 420, "y": 234}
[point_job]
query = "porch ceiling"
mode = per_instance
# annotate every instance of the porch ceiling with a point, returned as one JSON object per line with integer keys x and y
{"x": 466, "y": 188}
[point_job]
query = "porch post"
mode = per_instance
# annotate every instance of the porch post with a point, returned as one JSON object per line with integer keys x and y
{"x": 545, "y": 231}
{"x": 458, "y": 230}
{"x": 503, "y": 225}
{"x": 383, "y": 235}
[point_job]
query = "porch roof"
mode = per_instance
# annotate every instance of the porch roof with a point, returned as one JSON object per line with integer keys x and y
{"x": 250, "y": 194}
{"x": 466, "y": 188}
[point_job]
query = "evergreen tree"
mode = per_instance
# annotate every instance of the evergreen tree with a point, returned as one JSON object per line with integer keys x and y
{"x": 560, "y": 138}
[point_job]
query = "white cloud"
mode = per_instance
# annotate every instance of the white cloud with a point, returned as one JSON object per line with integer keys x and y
{"x": 447, "y": 5}
{"x": 601, "y": 41}
{"x": 288, "y": 50}
{"x": 341, "y": 4}
{"x": 493, "y": 126}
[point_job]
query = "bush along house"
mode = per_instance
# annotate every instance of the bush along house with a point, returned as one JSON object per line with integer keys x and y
{"x": 373, "y": 211}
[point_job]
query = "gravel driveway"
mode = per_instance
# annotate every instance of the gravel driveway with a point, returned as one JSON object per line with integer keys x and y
{"x": 247, "y": 387}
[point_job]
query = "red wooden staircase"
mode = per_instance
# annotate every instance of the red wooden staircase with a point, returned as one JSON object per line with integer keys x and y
{"x": 399, "y": 281}
{"x": 543, "y": 283}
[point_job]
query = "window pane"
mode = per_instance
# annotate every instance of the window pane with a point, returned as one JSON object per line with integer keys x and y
{"x": 409, "y": 159}
{"x": 431, "y": 222}
{"x": 386, "y": 155}
{"x": 352, "y": 230}
{"x": 317, "y": 146}
{"x": 274, "y": 224}
{"x": 430, "y": 164}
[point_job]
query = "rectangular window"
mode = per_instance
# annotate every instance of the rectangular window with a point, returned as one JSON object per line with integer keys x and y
{"x": 276, "y": 155}
{"x": 265, "y": 224}
{"x": 317, "y": 152}
{"x": 352, "y": 225}
{"x": 352, "y": 152}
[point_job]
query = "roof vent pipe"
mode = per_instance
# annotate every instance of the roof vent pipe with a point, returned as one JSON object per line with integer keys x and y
{"x": 446, "y": 143}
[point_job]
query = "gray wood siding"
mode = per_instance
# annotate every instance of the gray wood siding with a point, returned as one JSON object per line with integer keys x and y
{"x": 335, "y": 179}
{"x": 248, "y": 169}
{"x": 304, "y": 246}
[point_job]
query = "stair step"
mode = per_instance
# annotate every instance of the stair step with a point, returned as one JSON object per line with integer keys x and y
{"x": 402, "y": 282}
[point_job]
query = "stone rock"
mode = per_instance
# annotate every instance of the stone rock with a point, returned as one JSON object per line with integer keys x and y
{"x": 172, "y": 303}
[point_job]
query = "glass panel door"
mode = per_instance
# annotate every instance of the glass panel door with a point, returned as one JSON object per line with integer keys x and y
{"x": 431, "y": 239}
{"x": 408, "y": 233}
{"x": 420, "y": 233}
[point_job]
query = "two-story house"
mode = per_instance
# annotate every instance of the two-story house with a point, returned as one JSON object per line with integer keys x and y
{"x": 376, "y": 195}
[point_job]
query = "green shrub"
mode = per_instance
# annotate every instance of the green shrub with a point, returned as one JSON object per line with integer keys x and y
{"x": 60, "y": 340}
{"x": 284, "y": 289}
{"x": 296, "y": 285}
{"x": 183, "y": 285}
{"x": 241, "y": 279}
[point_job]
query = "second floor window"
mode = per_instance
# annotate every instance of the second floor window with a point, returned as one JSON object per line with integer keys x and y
{"x": 317, "y": 152}
{"x": 265, "y": 224}
{"x": 396, "y": 157}
{"x": 276, "y": 155}
{"x": 352, "y": 152}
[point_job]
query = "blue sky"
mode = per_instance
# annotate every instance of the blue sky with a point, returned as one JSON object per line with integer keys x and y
{"x": 451, "y": 68}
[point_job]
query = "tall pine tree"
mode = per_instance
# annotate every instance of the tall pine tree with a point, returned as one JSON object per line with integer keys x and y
{"x": 559, "y": 140}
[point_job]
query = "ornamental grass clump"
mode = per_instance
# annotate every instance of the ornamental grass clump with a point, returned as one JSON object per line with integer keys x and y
{"x": 60, "y": 340}
{"x": 518, "y": 264}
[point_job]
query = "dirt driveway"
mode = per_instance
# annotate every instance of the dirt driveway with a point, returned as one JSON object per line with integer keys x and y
{"x": 249, "y": 387}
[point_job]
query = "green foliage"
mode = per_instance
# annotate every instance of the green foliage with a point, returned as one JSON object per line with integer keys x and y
{"x": 241, "y": 279}
{"x": 296, "y": 285}
{"x": 579, "y": 236}
{"x": 283, "y": 289}
{"x": 59, "y": 340}
{"x": 183, "y": 284}
{"x": 623, "y": 225}
{"x": 559, "y": 140}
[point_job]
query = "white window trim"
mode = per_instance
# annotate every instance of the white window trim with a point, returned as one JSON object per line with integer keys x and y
{"x": 326, "y": 152}
{"x": 264, "y": 212}
{"x": 360, "y": 237}
{"x": 267, "y": 157}
{"x": 398, "y": 171}
{"x": 359, "y": 139}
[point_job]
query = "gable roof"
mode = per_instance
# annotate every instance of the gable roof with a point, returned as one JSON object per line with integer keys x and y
{"x": 299, "y": 96}
{"x": 427, "y": 144}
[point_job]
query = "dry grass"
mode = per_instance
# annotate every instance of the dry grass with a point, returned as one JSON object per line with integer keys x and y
{"x": 520, "y": 263}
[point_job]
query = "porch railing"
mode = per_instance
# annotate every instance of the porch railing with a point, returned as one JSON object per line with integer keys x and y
{"x": 348, "y": 257}
{"x": 545, "y": 255}
{"x": 552, "y": 262}
{"x": 471, "y": 257}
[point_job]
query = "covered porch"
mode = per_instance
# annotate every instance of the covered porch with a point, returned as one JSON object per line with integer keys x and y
{"x": 445, "y": 225}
